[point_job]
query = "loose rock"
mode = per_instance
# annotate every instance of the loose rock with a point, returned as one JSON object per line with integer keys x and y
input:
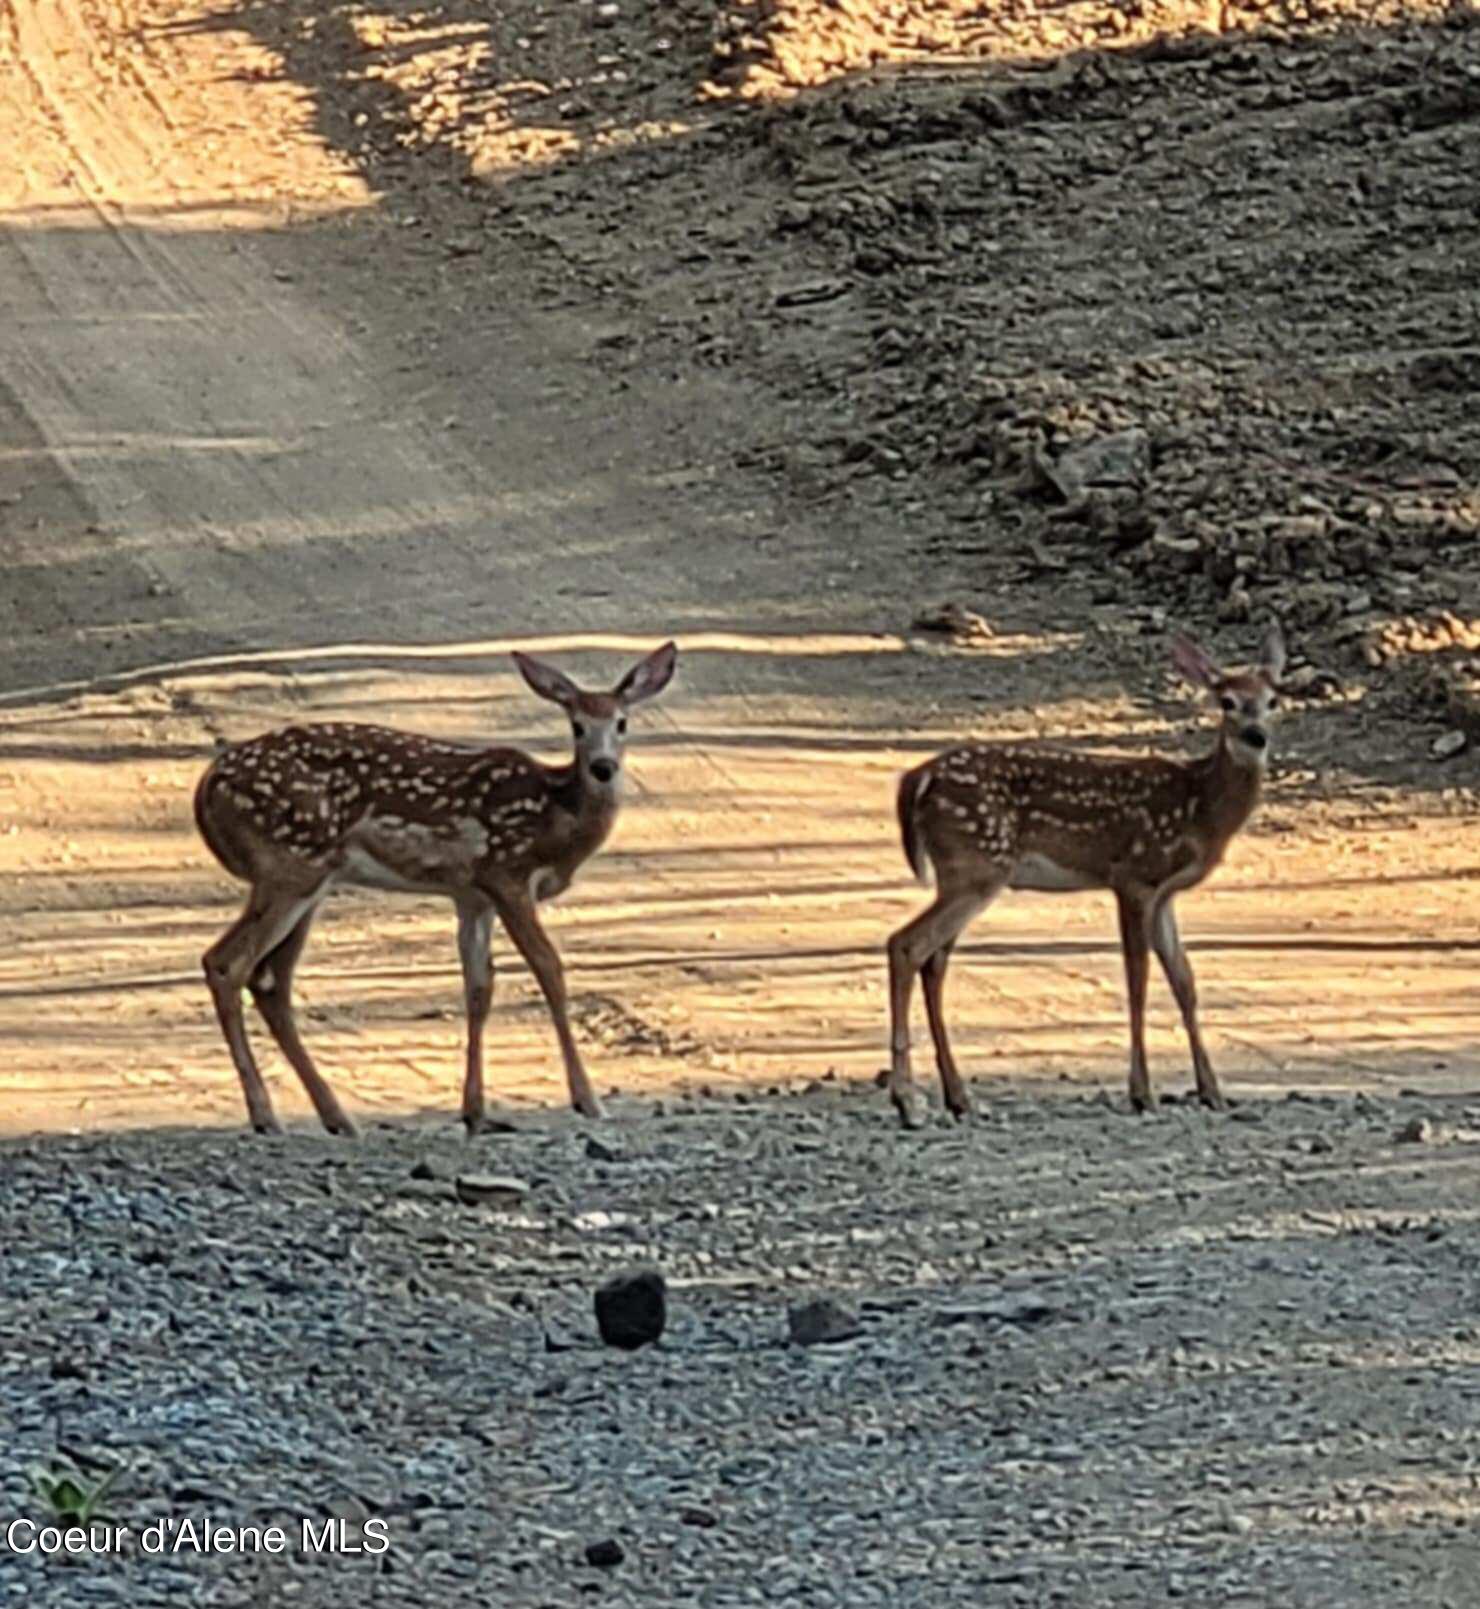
{"x": 632, "y": 1309}
{"x": 822, "y": 1321}
{"x": 955, "y": 621}
{"x": 489, "y": 1189}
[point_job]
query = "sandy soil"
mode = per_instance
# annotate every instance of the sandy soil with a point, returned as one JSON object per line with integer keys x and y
{"x": 306, "y": 412}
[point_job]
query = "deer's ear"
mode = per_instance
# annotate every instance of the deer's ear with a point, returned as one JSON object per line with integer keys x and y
{"x": 649, "y": 678}
{"x": 1274, "y": 653}
{"x": 1193, "y": 662}
{"x": 547, "y": 681}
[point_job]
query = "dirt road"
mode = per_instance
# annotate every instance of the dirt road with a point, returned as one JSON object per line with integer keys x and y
{"x": 342, "y": 351}
{"x": 272, "y": 449}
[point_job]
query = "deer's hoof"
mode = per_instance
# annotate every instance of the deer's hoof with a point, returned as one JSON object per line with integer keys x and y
{"x": 910, "y": 1104}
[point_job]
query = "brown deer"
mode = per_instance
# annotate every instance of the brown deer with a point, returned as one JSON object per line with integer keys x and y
{"x": 989, "y": 816}
{"x": 298, "y": 812}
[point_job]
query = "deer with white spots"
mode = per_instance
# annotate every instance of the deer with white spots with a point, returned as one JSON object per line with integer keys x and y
{"x": 989, "y": 816}
{"x": 307, "y": 809}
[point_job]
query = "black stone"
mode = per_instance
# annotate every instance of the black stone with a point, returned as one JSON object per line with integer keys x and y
{"x": 632, "y": 1309}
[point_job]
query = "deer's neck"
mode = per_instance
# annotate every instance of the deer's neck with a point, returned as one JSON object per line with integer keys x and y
{"x": 592, "y": 809}
{"x": 1228, "y": 787}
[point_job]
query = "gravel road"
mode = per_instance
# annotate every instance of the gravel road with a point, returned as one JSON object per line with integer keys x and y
{"x": 1100, "y": 1361}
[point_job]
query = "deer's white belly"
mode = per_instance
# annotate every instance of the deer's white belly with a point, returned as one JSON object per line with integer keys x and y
{"x": 1046, "y": 876}
{"x": 406, "y": 857}
{"x": 362, "y": 869}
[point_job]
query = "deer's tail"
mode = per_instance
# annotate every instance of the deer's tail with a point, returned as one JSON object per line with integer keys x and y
{"x": 913, "y": 786}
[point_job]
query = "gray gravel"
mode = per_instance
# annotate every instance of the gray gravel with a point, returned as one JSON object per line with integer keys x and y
{"x": 1102, "y": 1361}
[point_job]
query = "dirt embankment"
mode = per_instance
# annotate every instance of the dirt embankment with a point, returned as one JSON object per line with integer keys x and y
{"x": 1082, "y": 315}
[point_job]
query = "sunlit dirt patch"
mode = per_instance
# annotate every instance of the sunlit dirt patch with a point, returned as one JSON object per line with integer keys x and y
{"x": 503, "y": 91}
{"x": 765, "y": 48}
{"x": 188, "y": 120}
{"x": 729, "y": 939}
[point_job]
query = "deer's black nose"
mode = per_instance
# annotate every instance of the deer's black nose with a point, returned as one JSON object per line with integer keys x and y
{"x": 603, "y": 770}
{"x": 1254, "y": 737}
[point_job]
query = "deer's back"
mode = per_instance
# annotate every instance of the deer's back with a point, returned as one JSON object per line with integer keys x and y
{"x": 330, "y": 796}
{"x": 1060, "y": 819}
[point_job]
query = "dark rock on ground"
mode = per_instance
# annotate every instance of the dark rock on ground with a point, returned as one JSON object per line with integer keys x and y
{"x": 632, "y": 1309}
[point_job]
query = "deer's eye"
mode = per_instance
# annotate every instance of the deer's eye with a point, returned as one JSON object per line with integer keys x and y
{"x": 579, "y": 728}
{"x": 1229, "y": 702}
{"x": 622, "y": 725}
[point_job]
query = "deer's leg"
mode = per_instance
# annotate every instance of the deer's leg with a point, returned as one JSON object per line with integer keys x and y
{"x": 271, "y": 983}
{"x": 522, "y": 921}
{"x": 933, "y": 982}
{"x": 909, "y": 949}
{"x": 474, "y": 933}
{"x": 229, "y": 964}
{"x": 1167, "y": 942}
{"x": 1135, "y": 943}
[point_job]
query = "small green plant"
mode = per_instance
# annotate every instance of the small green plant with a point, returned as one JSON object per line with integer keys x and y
{"x": 72, "y": 1499}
